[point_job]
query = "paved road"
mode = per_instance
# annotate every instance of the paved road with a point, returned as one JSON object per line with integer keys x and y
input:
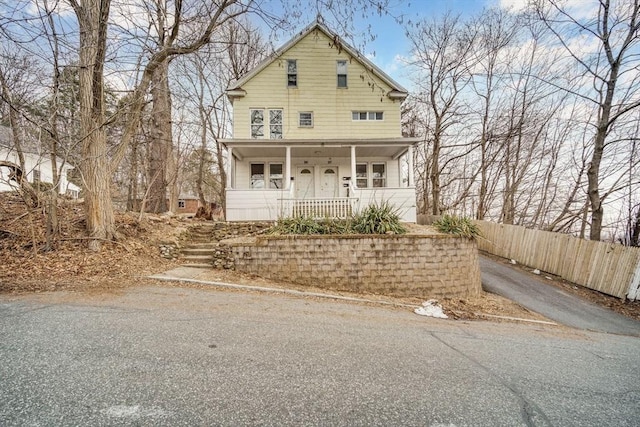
{"x": 533, "y": 293}
{"x": 179, "y": 356}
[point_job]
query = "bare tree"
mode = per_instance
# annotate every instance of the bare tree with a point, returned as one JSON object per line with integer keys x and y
{"x": 93, "y": 18}
{"x": 496, "y": 29}
{"x": 442, "y": 52}
{"x": 610, "y": 75}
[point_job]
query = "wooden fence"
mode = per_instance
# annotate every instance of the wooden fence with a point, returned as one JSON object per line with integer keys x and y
{"x": 610, "y": 268}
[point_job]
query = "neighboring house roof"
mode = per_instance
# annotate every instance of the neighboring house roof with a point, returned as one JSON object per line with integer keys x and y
{"x": 397, "y": 91}
{"x": 29, "y": 146}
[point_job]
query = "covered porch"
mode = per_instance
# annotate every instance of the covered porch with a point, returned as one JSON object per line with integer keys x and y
{"x": 270, "y": 179}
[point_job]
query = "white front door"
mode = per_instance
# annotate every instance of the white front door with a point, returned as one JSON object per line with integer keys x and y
{"x": 304, "y": 183}
{"x": 329, "y": 181}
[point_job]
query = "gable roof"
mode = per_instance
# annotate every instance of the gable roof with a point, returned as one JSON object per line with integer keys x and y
{"x": 396, "y": 92}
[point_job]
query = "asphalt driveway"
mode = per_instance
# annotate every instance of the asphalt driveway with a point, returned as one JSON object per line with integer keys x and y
{"x": 535, "y": 294}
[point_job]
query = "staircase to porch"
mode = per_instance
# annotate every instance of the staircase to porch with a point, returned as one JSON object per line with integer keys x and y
{"x": 201, "y": 246}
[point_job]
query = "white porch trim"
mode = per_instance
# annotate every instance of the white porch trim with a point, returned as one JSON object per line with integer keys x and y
{"x": 287, "y": 168}
{"x": 353, "y": 166}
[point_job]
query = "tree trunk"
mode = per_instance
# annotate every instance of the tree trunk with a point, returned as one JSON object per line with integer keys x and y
{"x": 161, "y": 140}
{"x": 92, "y": 20}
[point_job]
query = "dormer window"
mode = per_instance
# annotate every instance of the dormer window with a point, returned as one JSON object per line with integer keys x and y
{"x": 292, "y": 73}
{"x": 342, "y": 73}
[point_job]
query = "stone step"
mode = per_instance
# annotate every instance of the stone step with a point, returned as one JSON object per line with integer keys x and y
{"x": 199, "y": 258}
{"x": 198, "y": 251}
{"x": 197, "y": 265}
{"x": 203, "y": 245}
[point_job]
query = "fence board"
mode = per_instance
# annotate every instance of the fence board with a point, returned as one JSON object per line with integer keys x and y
{"x": 606, "y": 267}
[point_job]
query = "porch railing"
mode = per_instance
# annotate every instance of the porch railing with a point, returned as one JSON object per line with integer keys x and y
{"x": 337, "y": 207}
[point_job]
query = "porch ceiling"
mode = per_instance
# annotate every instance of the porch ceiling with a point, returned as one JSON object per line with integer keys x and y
{"x": 391, "y": 148}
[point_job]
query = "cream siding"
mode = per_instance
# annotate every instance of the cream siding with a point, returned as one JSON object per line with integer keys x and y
{"x": 317, "y": 92}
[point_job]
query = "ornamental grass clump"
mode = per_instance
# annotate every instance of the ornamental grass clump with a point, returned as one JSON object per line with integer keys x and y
{"x": 378, "y": 219}
{"x": 457, "y": 225}
{"x": 375, "y": 219}
{"x": 307, "y": 225}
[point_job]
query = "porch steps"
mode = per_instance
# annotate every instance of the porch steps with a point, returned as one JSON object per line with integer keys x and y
{"x": 201, "y": 247}
{"x": 199, "y": 254}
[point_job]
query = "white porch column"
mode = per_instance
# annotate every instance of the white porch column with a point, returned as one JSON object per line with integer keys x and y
{"x": 287, "y": 168}
{"x": 229, "y": 170}
{"x": 410, "y": 161}
{"x": 354, "y": 181}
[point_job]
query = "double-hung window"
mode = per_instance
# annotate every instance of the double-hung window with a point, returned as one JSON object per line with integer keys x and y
{"x": 341, "y": 67}
{"x": 362, "y": 178}
{"x": 259, "y": 122}
{"x": 270, "y": 173}
{"x": 275, "y": 175}
{"x": 275, "y": 124}
{"x": 292, "y": 73}
{"x": 257, "y": 175}
{"x": 379, "y": 174}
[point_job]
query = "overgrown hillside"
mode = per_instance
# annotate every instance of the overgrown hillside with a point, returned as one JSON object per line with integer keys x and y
{"x": 27, "y": 265}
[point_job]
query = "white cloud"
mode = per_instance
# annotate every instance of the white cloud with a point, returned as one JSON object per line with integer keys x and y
{"x": 579, "y": 9}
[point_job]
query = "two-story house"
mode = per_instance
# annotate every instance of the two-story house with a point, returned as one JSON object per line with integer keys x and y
{"x": 316, "y": 131}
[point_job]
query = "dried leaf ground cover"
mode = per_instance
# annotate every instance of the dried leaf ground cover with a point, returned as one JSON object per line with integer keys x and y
{"x": 27, "y": 266}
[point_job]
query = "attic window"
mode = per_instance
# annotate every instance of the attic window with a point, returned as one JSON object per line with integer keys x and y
{"x": 342, "y": 73}
{"x": 292, "y": 73}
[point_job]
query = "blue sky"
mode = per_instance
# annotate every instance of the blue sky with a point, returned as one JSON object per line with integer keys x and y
{"x": 390, "y": 42}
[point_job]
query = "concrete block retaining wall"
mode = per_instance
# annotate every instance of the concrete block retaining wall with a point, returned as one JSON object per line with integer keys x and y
{"x": 405, "y": 266}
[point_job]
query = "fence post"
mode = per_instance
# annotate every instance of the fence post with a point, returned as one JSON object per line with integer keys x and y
{"x": 634, "y": 286}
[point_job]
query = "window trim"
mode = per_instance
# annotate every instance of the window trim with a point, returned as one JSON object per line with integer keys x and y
{"x": 267, "y": 124}
{"x": 294, "y": 75}
{"x": 182, "y": 204}
{"x": 364, "y": 178}
{"x": 281, "y": 176}
{"x": 345, "y": 74}
{"x": 252, "y": 124}
{"x": 251, "y": 184}
{"x": 367, "y": 116}
{"x": 281, "y": 124}
{"x": 300, "y": 113}
{"x": 383, "y": 178}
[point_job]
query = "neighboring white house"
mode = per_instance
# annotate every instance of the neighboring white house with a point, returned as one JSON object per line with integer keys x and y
{"x": 37, "y": 166}
{"x": 316, "y": 131}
